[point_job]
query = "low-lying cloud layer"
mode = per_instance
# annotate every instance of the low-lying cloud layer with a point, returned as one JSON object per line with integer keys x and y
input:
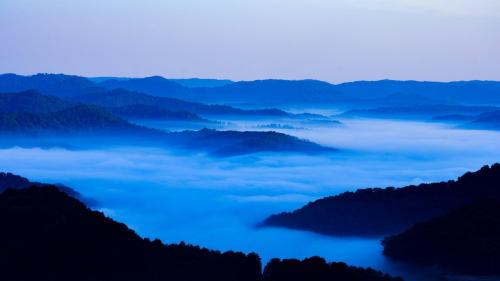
{"x": 218, "y": 202}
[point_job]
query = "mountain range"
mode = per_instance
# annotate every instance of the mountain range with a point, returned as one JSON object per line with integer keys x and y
{"x": 275, "y": 92}
{"x": 120, "y": 97}
{"x": 82, "y": 125}
{"x": 80, "y": 89}
{"x": 282, "y": 92}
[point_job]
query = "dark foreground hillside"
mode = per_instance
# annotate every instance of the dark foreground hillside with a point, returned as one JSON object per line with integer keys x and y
{"x": 317, "y": 268}
{"x": 466, "y": 240}
{"x": 8, "y": 180}
{"x": 48, "y": 235}
{"x": 377, "y": 211}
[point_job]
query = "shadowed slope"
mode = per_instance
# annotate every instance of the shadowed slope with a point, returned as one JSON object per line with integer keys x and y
{"x": 230, "y": 143}
{"x": 154, "y": 85}
{"x": 88, "y": 126}
{"x": 31, "y": 101}
{"x": 466, "y": 240}
{"x": 11, "y": 181}
{"x": 121, "y": 97}
{"x": 50, "y": 84}
{"x": 47, "y": 235}
{"x": 377, "y": 211}
{"x": 317, "y": 269}
{"x": 77, "y": 119}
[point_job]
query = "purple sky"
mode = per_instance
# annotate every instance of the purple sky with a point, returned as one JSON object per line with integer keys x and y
{"x": 332, "y": 40}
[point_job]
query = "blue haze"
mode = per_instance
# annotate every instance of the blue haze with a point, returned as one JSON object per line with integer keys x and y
{"x": 217, "y": 203}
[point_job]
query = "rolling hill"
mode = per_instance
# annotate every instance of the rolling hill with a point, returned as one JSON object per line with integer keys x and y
{"x": 383, "y": 211}
{"x": 466, "y": 240}
{"x": 231, "y": 143}
{"x": 50, "y": 236}
{"x": 145, "y": 112}
{"x": 155, "y": 85}
{"x": 274, "y": 92}
{"x": 120, "y": 98}
{"x": 31, "y": 101}
{"x": 87, "y": 126}
{"x": 11, "y": 181}
{"x": 77, "y": 119}
{"x": 50, "y": 84}
{"x": 488, "y": 121}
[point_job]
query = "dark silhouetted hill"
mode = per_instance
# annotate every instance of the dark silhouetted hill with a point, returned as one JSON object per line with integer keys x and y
{"x": 47, "y": 235}
{"x": 465, "y": 241}
{"x": 377, "y": 211}
{"x": 8, "y": 180}
{"x": 317, "y": 269}
{"x": 231, "y": 143}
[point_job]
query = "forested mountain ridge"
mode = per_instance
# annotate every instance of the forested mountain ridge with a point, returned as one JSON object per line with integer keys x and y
{"x": 139, "y": 111}
{"x": 466, "y": 240}
{"x": 273, "y": 92}
{"x": 155, "y": 85}
{"x": 48, "y": 235}
{"x": 87, "y": 125}
{"x": 230, "y": 143}
{"x": 77, "y": 119}
{"x": 11, "y": 181}
{"x": 383, "y": 211}
{"x": 61, "y": 85}
{"x": 80, "y": 89}
{"x": 32, "y": 101}
{"x": 121, "y": 97}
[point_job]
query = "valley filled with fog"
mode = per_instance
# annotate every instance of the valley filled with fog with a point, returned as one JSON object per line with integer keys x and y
{"x": 250, "y": 140}
{"x": 218, "y": 202}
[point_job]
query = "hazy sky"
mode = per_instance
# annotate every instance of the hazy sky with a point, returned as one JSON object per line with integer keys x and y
{"x": 333, "y": 40}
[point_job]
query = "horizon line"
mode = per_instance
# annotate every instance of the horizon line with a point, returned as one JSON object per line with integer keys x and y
{"x": 249, "y": 80}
